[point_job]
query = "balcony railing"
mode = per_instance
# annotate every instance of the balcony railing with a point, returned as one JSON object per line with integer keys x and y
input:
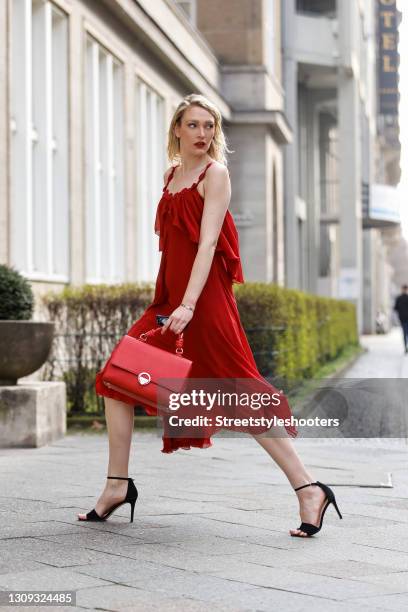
{"x": 325, "y": 8}
{"x": 365, "y": 199}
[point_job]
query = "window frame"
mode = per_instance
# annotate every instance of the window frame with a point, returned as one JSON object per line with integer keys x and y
{"x": 34, "y": 150}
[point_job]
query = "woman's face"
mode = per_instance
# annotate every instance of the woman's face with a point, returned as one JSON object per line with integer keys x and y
{"x": 196, "y": 131}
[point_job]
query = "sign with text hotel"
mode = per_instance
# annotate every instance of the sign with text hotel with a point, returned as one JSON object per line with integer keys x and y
{"x": 388, "y": 60}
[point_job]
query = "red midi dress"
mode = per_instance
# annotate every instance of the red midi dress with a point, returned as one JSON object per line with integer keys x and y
{"x": 214, "y": 339}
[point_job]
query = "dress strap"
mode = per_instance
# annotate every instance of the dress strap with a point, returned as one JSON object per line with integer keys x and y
{"x": 169, "y": 178}
{"x": 202, "y": 175}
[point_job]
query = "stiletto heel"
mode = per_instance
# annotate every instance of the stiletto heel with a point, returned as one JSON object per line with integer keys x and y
{"x": 132, "y": 509}
{"x": 131, "y": 497}
{"x": 308, "y": 528}
{"x": 337, "y": 509}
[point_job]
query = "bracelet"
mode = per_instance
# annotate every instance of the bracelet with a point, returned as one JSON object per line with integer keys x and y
{"x": 188, "y": 307}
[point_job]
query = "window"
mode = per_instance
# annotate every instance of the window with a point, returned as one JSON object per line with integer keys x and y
{"x": 301, "y": 254}
{"x": 329, "y": 191}
{"x": 150, "y": 169}
{"x": 105, "y": 209}
{"x": 39, "y": 141}
{"x": 189, "y": 8}
{"x": 329, "y": 167}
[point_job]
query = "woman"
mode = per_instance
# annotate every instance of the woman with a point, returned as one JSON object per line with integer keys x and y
{"x": 200, "y": 261}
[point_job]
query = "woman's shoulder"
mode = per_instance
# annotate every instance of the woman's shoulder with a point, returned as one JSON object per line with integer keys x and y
{"x": 217, "y": 175}
{"x": 217, "y": 166}
{"x": 217, "y": 170}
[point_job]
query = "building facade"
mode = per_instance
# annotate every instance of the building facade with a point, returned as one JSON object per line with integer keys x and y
{"x": 246, "y": 37}
{"x": 331, "y": 168}
{"x": 88, "y": 91}
{"x": 88, "y": 88}
{"x": 381, "y": 221}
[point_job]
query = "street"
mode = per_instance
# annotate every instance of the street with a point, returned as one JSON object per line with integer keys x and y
{"x": 211, "y": 526}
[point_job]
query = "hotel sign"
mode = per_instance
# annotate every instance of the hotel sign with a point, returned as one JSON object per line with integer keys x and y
{"x": 388, "y": 19}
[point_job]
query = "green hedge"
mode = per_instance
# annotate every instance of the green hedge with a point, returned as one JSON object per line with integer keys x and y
{"x": 89, "y": 322}
{"x": 291, "y": 333}
{"x": 305, "y": 331}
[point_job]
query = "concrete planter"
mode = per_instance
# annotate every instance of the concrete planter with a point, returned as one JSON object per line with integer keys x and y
{"x": 32, "y": 414}
{"x": 24, "y": 347}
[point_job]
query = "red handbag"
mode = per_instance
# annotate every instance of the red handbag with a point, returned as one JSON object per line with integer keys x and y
{"x": 136, "y": 368}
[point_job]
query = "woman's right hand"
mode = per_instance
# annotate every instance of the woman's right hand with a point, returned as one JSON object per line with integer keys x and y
{"x": 178, "y": 320}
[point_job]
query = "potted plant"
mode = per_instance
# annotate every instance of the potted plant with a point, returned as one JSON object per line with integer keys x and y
{"x": 24, "y": 344}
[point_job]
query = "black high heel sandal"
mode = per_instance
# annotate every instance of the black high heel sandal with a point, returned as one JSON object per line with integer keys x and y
{"x": 131, "y": 497}
{"x": 308, "y": 528}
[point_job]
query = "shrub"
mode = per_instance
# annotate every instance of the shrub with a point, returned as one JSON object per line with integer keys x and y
{"x": 16, "y": 295}
{"x": 89, "y": 322}
{"x": 306, "y": 330}
{"x": 290, "y": 333}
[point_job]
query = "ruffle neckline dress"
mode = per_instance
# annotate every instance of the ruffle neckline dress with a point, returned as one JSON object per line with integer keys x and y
{"x": 214, "y": 339}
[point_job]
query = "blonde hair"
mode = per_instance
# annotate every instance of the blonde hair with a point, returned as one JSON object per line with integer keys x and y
{"x": 218, "y": 147}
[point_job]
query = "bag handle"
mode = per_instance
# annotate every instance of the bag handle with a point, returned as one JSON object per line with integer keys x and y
{"x": 152, "y": 332}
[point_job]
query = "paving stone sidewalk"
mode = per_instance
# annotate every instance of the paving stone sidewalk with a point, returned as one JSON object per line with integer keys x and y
{"x": 211, "y": 526}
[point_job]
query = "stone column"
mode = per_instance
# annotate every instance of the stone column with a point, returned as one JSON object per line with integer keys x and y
{"x": 245, "y": 36}
{"x": 350, "y": 170}
{"x": 290, "y": 79}
{"x": 4, "y": 132}
{"x": 369, "y": 253}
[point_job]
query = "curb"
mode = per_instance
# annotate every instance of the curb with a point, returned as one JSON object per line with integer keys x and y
{"x": 337, "y": 374}
{"x": 85, "y": 423}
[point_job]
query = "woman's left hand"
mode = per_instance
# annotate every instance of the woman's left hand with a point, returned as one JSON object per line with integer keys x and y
{"x": 178, "y": 320}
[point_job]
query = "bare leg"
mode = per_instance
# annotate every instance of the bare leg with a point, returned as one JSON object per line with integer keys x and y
{"x": 284, "y": 454}
{"x": 119, "y": 421}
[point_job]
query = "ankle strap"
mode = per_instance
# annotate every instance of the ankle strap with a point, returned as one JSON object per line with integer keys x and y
{"x": 307, "y": 485}
{"x": 119, "y": 478}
